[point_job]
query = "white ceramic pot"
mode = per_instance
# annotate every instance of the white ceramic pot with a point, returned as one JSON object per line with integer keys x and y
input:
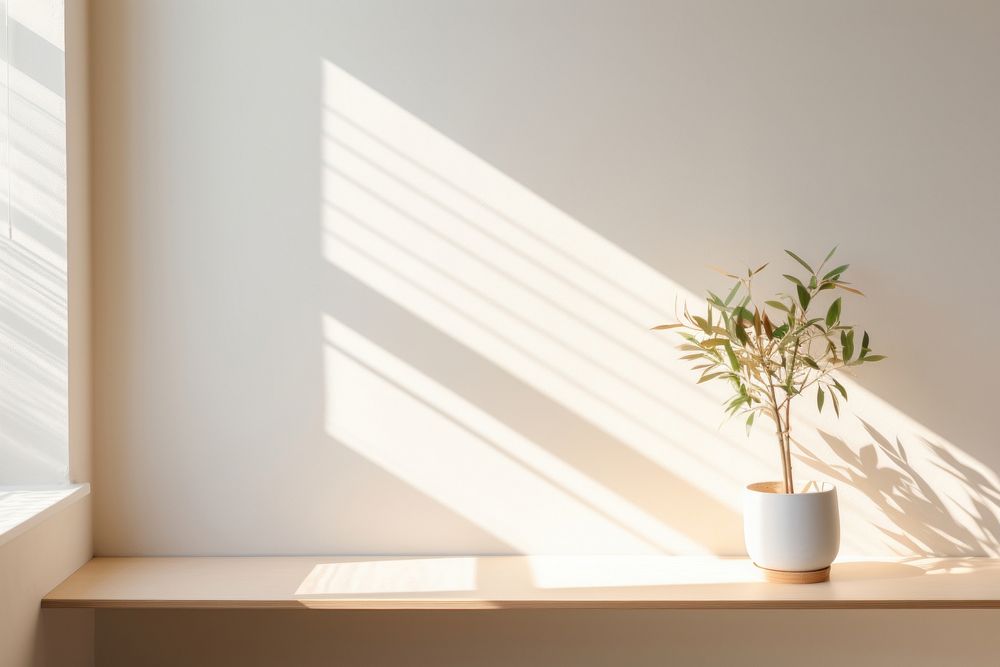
{"x": 794, "y": 532}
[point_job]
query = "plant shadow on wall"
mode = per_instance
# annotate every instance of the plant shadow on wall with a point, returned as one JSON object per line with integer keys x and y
{"x": 510, "y": 344}
{"x": 923, "y": 522}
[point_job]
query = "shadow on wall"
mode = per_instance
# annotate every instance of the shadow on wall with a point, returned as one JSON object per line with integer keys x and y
{"x": 513, "y": 377}
{"x": 33, "y": 270}
{"x": 922, "y": 523}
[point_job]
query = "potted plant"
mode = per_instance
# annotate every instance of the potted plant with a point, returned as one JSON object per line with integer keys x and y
{"x": 770, "y": 354}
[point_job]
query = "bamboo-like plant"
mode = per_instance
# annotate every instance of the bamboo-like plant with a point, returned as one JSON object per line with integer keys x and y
{"x": 770, "y": 357}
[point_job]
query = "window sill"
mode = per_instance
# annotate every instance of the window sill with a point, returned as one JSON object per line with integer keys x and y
{"x": 23, "y": 507}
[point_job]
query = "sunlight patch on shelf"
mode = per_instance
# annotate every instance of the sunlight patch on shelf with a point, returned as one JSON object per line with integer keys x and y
{"x": 402, "y": 575}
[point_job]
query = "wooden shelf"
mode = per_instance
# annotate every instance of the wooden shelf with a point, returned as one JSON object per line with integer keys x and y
{"x": 493, "y": 582}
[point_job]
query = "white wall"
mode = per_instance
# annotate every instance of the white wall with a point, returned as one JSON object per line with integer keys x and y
{"x": 374, "y": 277}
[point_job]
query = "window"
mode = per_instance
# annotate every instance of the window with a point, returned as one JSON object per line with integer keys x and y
{"x": 33, "y": 249}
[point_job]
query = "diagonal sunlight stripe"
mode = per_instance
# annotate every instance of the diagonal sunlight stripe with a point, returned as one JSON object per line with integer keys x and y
{"x": 534, "y": 367}
{"x": 461, "y": 246}
{"x": 480, "y": 282}
{"x": 520, "y": 248}
{"x": 557, "y": 341}
{"x": 565, "y": 307}
{"x": 374, "y": 380}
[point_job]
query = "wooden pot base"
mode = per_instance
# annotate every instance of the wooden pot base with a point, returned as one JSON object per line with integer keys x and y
{"x": 787, "y": 577}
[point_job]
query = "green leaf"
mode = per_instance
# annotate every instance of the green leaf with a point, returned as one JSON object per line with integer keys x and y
{"x": 835, "y": 273}
{"x": 703, "y": 324}
{"x": 875, "y": 357}
{"x": 836, "y": 404}
{"x": 740, "y": 400}
{"x": 781, "y": 331}
{"x": 840, "y": 388}
{"x": 777, "y": 304}
{"x": 792, "y": 278}
{"x": 750, "y": 422}
{"x": 833, "y": 315}
{"x": 733, "y": 361}
{"x": 737, "y": 401}
{"x": 741, "y": 336}
{"x": 800, "y": 261}
{"x": 743, "y": 314}
{"x": 820, "y": 397}
{"x": 732, "y": 293}
{"x": 660, "y": 327}
{"x": 803, "y": 296}
{"x": 759, "y": 269}
{"x": 830, "y": 254}
{"x": 810, "y": 362}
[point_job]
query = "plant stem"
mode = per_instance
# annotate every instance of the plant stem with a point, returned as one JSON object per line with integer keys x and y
{"x": 789, "y": 483}
{"x": 785, "y": 464}
{"x": 784, "y": 459}
{"x": 786, "y": 448}
{"x": 780, "y": 429}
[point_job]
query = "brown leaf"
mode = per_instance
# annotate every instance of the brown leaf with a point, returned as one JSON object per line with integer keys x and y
{"x": 723, "y": 271}
{"x": 850, "y": 289}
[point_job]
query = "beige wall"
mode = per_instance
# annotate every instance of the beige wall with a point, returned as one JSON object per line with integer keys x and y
{"x": 31, "y": 565}
{"x": 78, "y": 239}
{"x": 374, "y": 277}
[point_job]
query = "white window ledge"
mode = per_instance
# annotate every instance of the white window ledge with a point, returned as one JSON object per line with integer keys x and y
{"x": 25, "y": 506}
